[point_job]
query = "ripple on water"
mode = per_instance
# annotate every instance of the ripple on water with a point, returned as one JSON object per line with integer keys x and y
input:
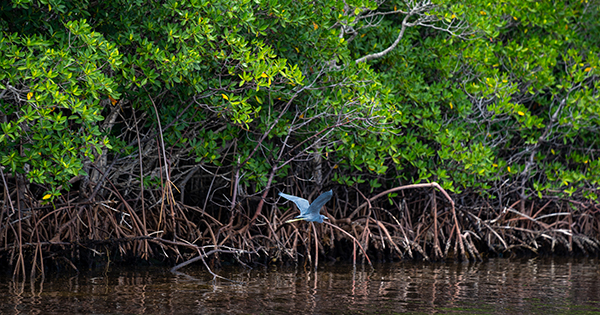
{"x": 497, "y": 286}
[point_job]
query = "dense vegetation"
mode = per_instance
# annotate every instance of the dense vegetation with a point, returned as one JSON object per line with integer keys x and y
{"x": 140, "y": 128}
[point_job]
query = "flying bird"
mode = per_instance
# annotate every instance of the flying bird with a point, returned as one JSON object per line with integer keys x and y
{"x": 309, "y": 212}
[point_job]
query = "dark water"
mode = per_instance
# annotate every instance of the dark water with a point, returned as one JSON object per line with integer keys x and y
{"x": 497, "y": 286}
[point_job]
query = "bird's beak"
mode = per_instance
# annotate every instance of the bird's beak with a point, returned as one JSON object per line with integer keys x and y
{"x": 326, "y": 218}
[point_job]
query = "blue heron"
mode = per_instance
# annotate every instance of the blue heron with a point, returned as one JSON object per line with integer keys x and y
{"x": 309, "y": 212}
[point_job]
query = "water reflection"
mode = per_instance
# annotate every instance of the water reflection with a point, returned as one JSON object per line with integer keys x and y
{"x": 496, "y": 286}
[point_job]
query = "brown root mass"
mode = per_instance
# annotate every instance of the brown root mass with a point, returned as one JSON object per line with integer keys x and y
{"x": 421, "y": 222}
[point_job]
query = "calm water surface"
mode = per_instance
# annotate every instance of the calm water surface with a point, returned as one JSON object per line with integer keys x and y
{"x": 497, "y": 286}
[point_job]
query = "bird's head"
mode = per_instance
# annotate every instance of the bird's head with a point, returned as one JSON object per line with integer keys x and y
{"x": 321, "y": 218}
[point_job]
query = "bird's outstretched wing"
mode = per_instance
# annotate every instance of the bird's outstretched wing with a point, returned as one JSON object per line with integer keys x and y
{"x": 315, "y": 207}
{"x": 301, "y": 203}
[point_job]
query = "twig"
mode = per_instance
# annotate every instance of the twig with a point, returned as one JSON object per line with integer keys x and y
{"x": 354, "y": 239}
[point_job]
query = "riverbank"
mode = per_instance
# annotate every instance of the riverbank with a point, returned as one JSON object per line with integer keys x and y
{"x": 423, "y": 224}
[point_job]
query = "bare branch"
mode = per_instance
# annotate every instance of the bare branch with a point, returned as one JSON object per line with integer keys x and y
{"x": 424, "y": 17}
